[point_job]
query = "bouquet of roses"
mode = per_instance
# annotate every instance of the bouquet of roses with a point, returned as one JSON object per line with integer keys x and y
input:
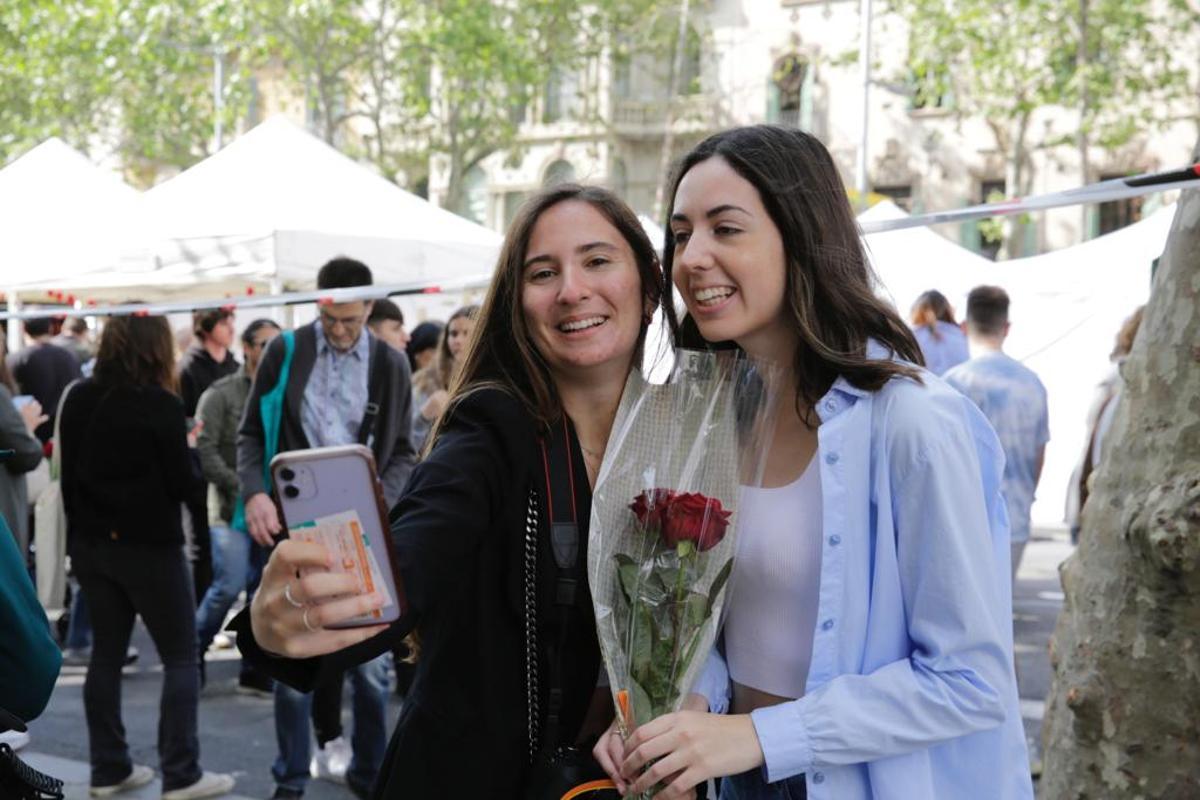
{"x": 664, "y": 522}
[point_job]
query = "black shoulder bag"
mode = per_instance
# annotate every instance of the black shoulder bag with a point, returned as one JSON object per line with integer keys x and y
{"x": 556, "y": 771}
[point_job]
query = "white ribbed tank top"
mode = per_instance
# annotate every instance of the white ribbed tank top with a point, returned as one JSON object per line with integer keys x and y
{"x": 775, "y": 586}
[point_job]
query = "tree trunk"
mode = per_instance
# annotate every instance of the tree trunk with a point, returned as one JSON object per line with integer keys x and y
{"x": 1123, "y": 716}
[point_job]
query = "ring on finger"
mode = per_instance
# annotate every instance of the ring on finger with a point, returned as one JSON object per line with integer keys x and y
{"x": 287, "y": 595}
{"x": 307, "y": 623}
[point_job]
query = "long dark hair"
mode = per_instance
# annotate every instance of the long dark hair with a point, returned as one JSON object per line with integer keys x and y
{"x": 931, "y": 308}
{"x": 830, "y": 298}
{"x": 137, "y": 351}
{"x": 501, "y": 353}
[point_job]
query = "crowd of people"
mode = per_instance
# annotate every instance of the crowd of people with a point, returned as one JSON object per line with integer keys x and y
{"x": 870, "y": 657}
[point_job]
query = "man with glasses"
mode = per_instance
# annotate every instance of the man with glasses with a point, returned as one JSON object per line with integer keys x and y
{"x": 344, "y": 386}
{"x": 236, "y": 560}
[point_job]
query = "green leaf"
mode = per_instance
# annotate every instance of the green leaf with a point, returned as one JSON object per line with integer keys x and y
{"x": 718, "y": 585}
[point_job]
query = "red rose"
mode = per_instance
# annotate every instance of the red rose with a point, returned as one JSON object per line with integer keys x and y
{"x": 695, "y": 518}
{"x": 650, "y": 506}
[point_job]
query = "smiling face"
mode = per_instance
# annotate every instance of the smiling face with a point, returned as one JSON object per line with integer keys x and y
{"x": 581, "y": 294}
{"x": 729, "y": 261}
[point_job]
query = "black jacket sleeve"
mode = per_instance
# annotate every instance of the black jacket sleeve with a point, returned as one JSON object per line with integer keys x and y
{"x": 454, "y": 499}
{"x": 395, "y": 473}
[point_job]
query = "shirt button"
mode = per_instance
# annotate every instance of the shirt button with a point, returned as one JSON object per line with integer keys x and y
{"x": 830, "y": 405}
{"x": 827, "y": 625}
{"x": 835, "y": 540}
{"x": 818, "y": 777}
{"x": 831, "y": 458}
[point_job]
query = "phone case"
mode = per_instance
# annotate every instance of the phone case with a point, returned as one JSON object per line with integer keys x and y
{"x": 325, "y": 482}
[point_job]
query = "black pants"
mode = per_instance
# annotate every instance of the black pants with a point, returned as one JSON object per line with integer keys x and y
{"x": 327, "y": 709}
{"x": 123, "y": 580}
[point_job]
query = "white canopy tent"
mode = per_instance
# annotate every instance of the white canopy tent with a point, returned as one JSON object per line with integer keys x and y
{"x": 271, "y": 208}
{"x": 1067, "y": 306}
{"x": 61, "y": 216}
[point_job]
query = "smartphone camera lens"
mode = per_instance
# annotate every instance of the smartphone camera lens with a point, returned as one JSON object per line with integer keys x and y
{"x": 287, "y": 474}
{"x": 291, "y": 492}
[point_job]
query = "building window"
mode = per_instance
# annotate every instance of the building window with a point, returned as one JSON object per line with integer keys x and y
{"x": 929, "y": 88}
{"x": 1116, "y": 214}
{"x": 562, "y": 97}
{"x": 901, "y": 195}
{"x": 689, "y": 78}
{"x": 512, "y": 204}
{"x": 619, "y": 178}
{"x": 474, "y": 196}
{"x": 990, "y": 231}
{"x": 789, "y": 93}
{"x": 558, "y": 172}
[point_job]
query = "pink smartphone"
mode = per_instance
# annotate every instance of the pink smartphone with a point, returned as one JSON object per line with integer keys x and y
{"x": 332, "y": 495}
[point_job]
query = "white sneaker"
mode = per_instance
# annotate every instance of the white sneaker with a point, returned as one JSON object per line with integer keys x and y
{"x": 14, "y": 739}
{"x": 332, "y": 761}
{"x": 140, "y": 776}
{"x": 210, "y": 784}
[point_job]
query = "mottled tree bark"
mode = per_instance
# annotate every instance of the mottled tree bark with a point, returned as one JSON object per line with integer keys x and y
{"x": 1123, "y": 717}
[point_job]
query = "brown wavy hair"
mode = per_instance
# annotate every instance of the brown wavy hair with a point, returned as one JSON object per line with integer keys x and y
{"x": 438, "y": 374}
{"x": 830, "y": 286}
{"x": 929, "y": 309}
{"x": 137, "y": 351}
{"x": 501, "y": 353}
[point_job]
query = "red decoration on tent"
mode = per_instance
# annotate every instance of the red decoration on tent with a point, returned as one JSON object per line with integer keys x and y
{"x": 249, "y": 290}
{"x": 432, "y": 290}
{"x": 70, "y": 299}
{"x": 325, "y": 301}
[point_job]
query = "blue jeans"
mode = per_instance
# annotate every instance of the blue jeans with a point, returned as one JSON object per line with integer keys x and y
{"x": 79, "y": 629}
{"x": 751, "y": 786}
{"x": 293, "y": 728}
{"x": 237, "y": 563}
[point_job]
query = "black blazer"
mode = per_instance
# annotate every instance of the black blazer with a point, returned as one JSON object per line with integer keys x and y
{"x": 459, "y": 532}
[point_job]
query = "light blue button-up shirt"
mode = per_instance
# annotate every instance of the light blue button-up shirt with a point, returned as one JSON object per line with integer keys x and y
{"x": 1013, "y": 399}
{"x": 911, "y": 693}
{"x": 335, "y": 398}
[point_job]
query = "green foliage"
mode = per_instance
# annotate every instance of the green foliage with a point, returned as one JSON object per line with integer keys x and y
{"x": 391, "y": 81}
{"x": 1003, "y": 60}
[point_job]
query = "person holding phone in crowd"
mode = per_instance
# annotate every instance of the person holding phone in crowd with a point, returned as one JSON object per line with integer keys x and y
{"x": 563, "y": 324}
{"x": 867, "y": 651}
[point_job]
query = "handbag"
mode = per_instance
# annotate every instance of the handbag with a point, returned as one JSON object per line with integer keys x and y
{"x": 556, "y": 772}
{"x": 50, "y": 524}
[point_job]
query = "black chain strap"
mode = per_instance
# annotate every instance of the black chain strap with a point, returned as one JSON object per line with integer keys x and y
{"x": 531, "y": 656}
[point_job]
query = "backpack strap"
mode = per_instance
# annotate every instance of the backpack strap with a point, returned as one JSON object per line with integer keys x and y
{"x": 375, "y": 383}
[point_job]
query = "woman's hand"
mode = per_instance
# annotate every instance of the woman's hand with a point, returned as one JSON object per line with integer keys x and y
{"x": 435, "y": 405}
{"x": 609, "y": 753}
{"x": 289, "y": 612}
{"x": 31, "y": 414}
{"x": 691, "y": 747}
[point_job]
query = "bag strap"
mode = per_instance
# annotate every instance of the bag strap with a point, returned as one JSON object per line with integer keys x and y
{"x": 376, "y": 381}
{"x": 531, "y": 655}
{"x": 559, "y": 474}
{"x": 56, "y": 448}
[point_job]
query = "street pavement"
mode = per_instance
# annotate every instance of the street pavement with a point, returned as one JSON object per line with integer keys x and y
{"x": 237, "y": 732}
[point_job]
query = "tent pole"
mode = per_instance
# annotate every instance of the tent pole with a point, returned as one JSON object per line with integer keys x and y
{"x": 14, "y": 326}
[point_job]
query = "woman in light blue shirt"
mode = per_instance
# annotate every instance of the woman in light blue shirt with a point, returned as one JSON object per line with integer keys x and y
{"x": 891, "y": 674}
{"x": 942, "y": 341}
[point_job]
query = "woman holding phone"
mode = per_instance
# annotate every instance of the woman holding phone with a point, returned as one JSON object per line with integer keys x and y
{"x": 562, "y": 326}
{"x": 867, "y": 649}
